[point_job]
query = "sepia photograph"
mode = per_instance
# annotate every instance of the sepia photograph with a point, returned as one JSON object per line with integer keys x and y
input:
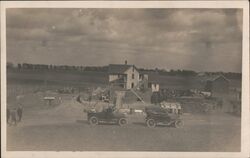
{"x": 124, "y": 79}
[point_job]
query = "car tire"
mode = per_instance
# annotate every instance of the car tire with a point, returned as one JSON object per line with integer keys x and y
{"x": 122, "y": 121}
{"x": 151, "y": 123}
{"x": 178, "y": 124}
{"x": 93, "y": 120}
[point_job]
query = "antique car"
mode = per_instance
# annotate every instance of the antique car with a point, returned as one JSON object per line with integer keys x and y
{"x": 157, "y": 115}
{"x": 108, "y": 115}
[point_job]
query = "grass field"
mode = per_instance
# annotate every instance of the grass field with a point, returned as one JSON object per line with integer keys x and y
{"x": 68, "y": 78}
{"x": 31, "y": 82}
{"x": 84, "y": 79}
{"x": 26, "y": 82}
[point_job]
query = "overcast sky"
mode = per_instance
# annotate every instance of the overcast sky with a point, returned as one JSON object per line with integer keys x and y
{"x": 194, "y": 39}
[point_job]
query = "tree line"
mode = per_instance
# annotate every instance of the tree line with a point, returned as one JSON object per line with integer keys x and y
{"x": 189, "y": 73}
{"x": 27, "y": 66}
{"x": 170, "y": 72}
{"x": 50, "y": 67}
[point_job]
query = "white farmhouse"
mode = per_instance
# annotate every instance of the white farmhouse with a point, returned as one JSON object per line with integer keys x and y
{"x": 126, "y": 76}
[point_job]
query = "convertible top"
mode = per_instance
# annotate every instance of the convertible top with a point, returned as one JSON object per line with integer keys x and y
{"x": 155, "y": 110}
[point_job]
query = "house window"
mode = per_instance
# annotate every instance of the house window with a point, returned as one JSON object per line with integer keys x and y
{"x": 133, "y": 76}
{"x": 132, "y": 85}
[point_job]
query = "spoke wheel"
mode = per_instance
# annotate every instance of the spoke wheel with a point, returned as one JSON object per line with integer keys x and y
{"x": 178, "y": 124}
{"x": 151, "y": 123}
{"x": 93, "y": 120}
{"x": 123, "y": 122}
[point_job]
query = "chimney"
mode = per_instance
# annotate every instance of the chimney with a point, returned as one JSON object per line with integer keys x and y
{"x": 126, "y": 62}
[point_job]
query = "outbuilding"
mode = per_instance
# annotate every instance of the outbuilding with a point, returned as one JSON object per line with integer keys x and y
{"x": 217, "y": 85}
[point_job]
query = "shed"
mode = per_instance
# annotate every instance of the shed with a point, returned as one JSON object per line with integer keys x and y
{"x": 217, "y": 85}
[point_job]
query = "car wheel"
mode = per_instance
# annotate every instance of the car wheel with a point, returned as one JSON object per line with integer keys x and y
{"x": 151, "y": 123}
{"x": 122, "y": 121}
{"x": 178, "y": 124}
{"x": 93, "y": 120}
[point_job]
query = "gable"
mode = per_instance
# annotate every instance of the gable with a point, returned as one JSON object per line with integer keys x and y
{"x": 119, "y": 69}
{"x": 221, "y": 78}
{"x": 131, "y": 70}
{"x": 213, "y": 78}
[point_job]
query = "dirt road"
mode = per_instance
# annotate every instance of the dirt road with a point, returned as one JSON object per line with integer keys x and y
{"x": 213, "y": 132}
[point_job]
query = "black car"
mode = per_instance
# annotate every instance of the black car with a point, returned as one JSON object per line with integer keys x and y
{"x": 156, "y": 115}
{"x": 108, "y": 115}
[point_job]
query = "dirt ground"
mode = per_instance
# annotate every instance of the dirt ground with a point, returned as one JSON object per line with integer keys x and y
{"x": 65, "y": 128}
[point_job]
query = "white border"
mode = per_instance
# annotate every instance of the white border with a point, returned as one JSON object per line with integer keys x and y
{"x": 245, "y": 139}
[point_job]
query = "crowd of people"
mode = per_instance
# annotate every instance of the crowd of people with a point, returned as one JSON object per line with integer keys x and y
{"x": 14, "y": 115}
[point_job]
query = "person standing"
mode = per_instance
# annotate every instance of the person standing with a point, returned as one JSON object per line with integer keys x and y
{"x": 13, "y": 114}
{"x": 8, "y": 115}
{"x": 19, "y": 112}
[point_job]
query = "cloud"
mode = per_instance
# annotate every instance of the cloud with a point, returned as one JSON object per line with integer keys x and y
{"x": 177, "y": 38}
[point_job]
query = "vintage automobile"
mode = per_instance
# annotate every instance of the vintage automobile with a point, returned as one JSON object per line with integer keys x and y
{"x": 108, "y": 115}
{"x": 157, "y": 115}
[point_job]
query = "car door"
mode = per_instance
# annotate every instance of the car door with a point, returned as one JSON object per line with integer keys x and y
{"x": 102, "y": 115}
{"x": 165, "y": 116}
{"x": 109, "y": 114}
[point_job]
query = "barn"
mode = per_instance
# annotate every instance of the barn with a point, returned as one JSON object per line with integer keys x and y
{"x": 218, "y": 85}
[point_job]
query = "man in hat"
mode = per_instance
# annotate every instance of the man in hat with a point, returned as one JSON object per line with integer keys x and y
{"x": 13, "y": 113}
{"x": 19, "y": 112}
{"x": 8, "y": 115}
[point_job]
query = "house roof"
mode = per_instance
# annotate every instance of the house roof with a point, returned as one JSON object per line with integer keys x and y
{"x": 120, "y": 80}
{"x": 119, "y": 68}
{"x": 213, "y": 78}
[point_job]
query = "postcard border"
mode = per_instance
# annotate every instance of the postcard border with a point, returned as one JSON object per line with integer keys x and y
{"x": 133, "y": 4}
